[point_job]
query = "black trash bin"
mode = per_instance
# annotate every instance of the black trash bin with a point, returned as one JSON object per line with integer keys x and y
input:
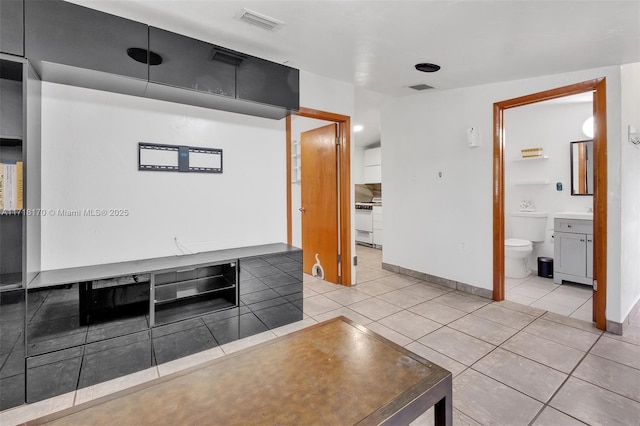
{"x": 545, "y": 267}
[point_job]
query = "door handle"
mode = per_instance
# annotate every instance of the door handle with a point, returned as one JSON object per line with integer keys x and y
{"x": 302, "y": 210}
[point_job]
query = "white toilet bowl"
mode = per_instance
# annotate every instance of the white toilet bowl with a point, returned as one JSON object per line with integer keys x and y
{"x": 516, "y": 252}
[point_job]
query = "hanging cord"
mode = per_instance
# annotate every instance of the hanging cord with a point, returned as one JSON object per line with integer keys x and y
{"x": 182, "y": 248}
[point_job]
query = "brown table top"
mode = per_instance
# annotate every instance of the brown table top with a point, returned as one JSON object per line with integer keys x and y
{"x": 333, "y": 373}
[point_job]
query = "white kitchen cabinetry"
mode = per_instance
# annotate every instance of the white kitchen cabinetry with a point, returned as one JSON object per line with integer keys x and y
{"x": 373, "y": 165}
{"x": 377, "y": 226}
{"x": 573, "y": 251}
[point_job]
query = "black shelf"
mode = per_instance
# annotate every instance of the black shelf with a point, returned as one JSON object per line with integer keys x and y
{"x": 171, "y": 292}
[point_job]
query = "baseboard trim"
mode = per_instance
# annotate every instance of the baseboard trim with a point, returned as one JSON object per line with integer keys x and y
{"x": 456, "y": 285}
{"x": 620, "y": 327}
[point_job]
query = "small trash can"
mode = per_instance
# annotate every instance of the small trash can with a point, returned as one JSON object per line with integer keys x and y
{"x": 545, "y": 267}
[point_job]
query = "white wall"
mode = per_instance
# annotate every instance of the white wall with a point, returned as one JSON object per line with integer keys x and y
{"x": 444, "y": 227}
{"x": 89, "y": 161}
{"x": 630, "y": 192}
{"x": 552, "y": 127}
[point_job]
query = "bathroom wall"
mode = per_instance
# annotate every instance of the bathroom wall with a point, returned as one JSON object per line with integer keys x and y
{"x": 552, "y": 126}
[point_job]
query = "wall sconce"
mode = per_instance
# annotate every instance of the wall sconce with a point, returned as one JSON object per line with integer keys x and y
{"x": 587, "y": 127}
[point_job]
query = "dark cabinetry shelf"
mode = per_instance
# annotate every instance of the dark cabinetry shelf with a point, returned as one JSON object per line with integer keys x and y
{"x": 64, "y": 40}
{"x": 266, "y": 82}
{"x": 192, "y": 64}
{"x": 12, "y": 27}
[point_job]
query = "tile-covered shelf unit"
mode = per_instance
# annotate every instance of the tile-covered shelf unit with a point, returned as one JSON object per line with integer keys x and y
{"x": 91, "y": 324}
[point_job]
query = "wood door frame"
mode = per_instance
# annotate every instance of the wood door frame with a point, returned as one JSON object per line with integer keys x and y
{"x": 598, "y": 87}
{"x": 344, "y": 132}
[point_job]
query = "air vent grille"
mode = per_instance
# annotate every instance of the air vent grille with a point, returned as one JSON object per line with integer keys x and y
{"x": 421, "y": 87}
{"x": 260, "y": 20}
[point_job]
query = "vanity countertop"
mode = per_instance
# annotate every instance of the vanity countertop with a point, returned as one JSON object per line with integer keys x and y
{"x": 574, "y": 215}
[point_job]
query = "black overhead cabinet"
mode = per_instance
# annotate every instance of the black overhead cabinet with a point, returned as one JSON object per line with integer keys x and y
{"x": 68, "y": 34}
{"x": 192, "y": 64}
{"x": 12, "y": 27}
{"x": 267, "y": 82}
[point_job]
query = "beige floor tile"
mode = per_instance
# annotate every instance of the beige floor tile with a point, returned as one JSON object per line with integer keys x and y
{"x": 520, "y": 303}
{"x": 438, "y": 312}
{"x": 529, "y": 377}
{"x": 584, "y": 312}
{"x": 483, "y": 329}
{"x": 321, "y": 286}
{"x": 411, "y": 325}
{"x": 396, "y": 281}
{"x": 402, "y": 298}
{"x": 290, "y": 328}
{"x": 459, "y": 419}
{"x": 388, "y": 333}
{"x": 371, "y": 274}
{"x": 573, "y": 322}
{"x": 462, "y": 303}
{"x": 564, "y": 300}
{"x": 560, "y": 333}
{"x": 594, "y": 405}
{"x": 496, "y": 313}
{"x": 617, "y": 350}
{"x": 490, "y": 402}
{"x": 551, "y": 354}
{"x": 374, "y": 288}
{"x": 346, "y": 312}
{"x": 436, "y": 357}
{"x": 459, "y": 346}
{"x": 105, "y": 388}
{"x": 513, "y": 282}
{"x": 307, "y": 292}
{"x": 24, "y": 413}
{"x": 552, "y": 417}
{"x": 346, "y": 295}
{"x": 631, "y": 335}
{"x": 528, "y": 291}
{"x": 551, "y": 306}
{"x": 426, "y": 291}
{"x": 375, "y": 308}
{"x": 319, "y": 304}
{"x": 610, "y": 375}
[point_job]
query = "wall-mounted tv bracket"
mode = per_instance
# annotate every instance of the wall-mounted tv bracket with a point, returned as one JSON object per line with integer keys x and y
{"x": 179, "y": 158}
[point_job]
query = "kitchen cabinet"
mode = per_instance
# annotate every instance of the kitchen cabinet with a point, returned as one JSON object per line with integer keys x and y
{"x": 373, "y": 165}
{"x": 573, "y": 251}
{"x": 192, "y": 64}
{"x": 259, "y": 80}
{"x": 377, "y": 226}
{"x": 64, "y": 40}
{"x": 12, "y": 27}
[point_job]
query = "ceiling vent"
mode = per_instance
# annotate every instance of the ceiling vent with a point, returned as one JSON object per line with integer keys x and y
{"x": 420, "y": 87}
{"x": 258, "y": 19}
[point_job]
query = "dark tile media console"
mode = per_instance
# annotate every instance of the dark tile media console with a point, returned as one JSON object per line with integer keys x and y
{"x": 92, "y": 324}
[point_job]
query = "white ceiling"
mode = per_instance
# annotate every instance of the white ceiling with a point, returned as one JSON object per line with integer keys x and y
{"x": 375, "y": 44}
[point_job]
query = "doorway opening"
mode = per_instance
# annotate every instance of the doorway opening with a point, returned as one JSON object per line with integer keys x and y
{"x": 598, "y": 88}
{"x": 342, "y": 224}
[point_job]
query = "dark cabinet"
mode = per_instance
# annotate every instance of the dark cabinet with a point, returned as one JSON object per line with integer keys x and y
{"x": 12, "y": 27}
{"x": 64, "y": 33}
{"x": 192, "y": 64}
{"x": 259, "y": 80}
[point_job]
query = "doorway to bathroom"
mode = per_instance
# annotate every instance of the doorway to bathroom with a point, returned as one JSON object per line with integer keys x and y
{"x": 598, "y": 89}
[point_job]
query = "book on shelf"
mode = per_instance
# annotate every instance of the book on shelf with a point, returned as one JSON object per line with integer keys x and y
{"x": 11, "y": 186}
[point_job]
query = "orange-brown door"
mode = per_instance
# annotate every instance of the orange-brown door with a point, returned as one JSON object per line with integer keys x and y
{"x": 319, "y": 186}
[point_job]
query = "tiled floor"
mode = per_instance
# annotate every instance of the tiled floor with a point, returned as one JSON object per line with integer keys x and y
{"x": 572, "y": 300}
{"x": 512, "y": 364}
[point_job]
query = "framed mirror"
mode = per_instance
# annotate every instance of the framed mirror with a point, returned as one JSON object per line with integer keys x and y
{"x": 582, "y": 167}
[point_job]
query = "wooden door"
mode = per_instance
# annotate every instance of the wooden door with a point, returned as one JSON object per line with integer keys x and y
{"x": 319, "y": 186}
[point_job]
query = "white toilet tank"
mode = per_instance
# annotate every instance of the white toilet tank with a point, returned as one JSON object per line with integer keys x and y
{"x": 529, "y": 225}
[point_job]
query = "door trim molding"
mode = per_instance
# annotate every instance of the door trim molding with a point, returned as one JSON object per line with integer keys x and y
{"x": 344, "y": 132}
{"x": 598, "y": 86}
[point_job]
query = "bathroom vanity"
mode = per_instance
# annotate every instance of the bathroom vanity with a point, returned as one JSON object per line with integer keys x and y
{"x": 573, "y": 248}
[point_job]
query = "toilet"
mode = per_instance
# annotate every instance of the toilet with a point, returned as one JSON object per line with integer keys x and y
{"x": 527, "y": 228}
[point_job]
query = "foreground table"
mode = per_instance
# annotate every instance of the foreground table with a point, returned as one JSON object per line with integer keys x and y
{"x": 333, "y": 373}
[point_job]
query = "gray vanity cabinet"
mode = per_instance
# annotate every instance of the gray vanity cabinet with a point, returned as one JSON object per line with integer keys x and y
{"x": 573, "y": 251}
